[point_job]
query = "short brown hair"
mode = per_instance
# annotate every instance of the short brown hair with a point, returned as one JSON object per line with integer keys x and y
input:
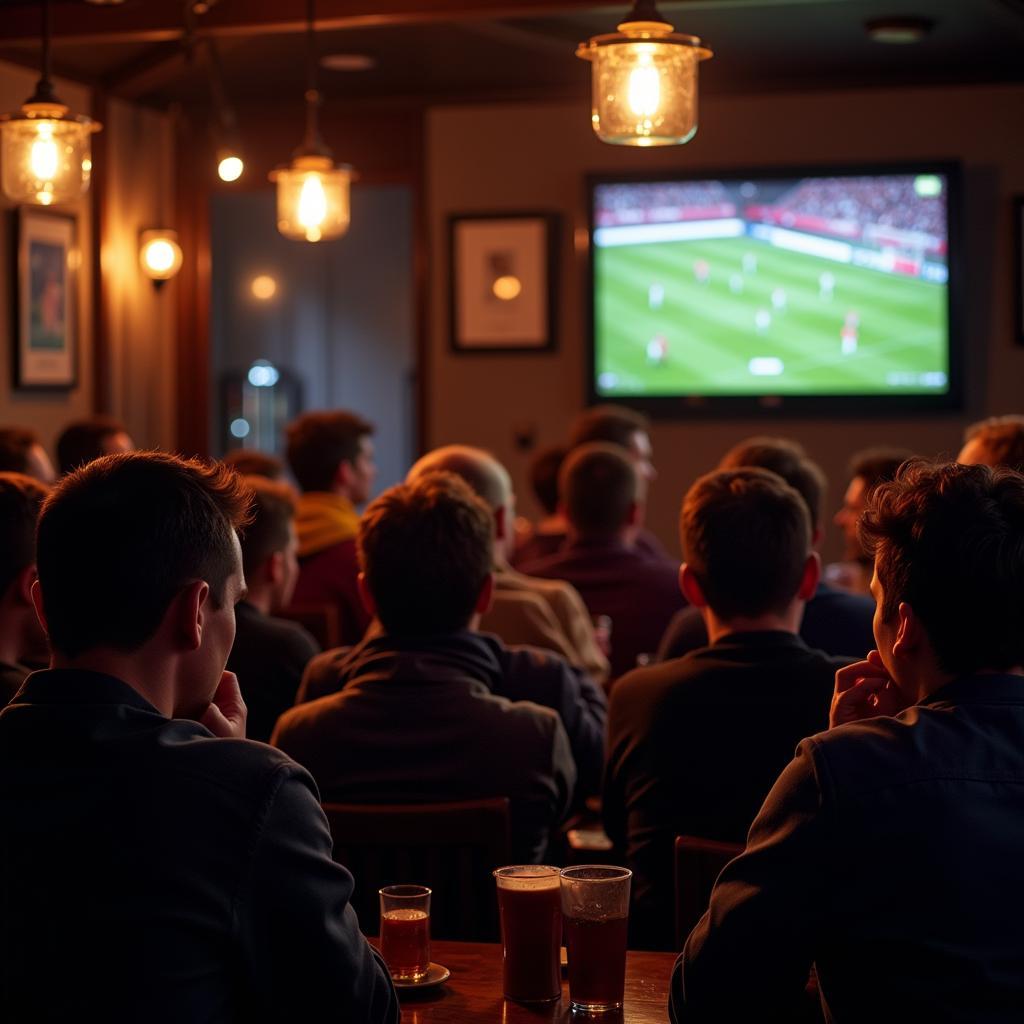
{"x": 598, "y": 484}
{"x": 15, "y": 443}
{"x": 319, "y": 442}
{"x": 21, "y": 497}
{"x": 746, "y": 535}
{"x": 784, "y": 458}
{"x": 948, "y": 539}
{"x": 273, "y": 509}
{"x": 613, "y": 424}
{"x": 120, "y": 537}
{"x": 1002, "y": 438}
{"x": 544, "y": 470}
{"x": 427, "y": 548}
{"x": 82, "y": 441}
{"x": 877, "y": 465}
{"x": 250, "y": 462}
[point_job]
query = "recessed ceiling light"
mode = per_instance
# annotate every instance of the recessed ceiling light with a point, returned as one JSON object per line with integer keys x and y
{"x": 898, "y": 31}
{"x": 348, "y": 62}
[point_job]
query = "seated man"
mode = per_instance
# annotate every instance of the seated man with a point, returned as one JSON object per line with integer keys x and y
{"x": 269, "y": 655}
{"x": 603, "y": 497}
{"x": 417, "y": 721}
{"x": 548, "y": 534}
{"x": 84, "y": 440}
{"x": 524, "y": 609}
{"x": 834, "y": 621}
{"x": 888, "y": 852}
{"x": 331, "y": 458}
{"x": 21, "y": 638}
{"x": 157, "y": 866}
{"x": 997, "y": 441}
{"x": 695, "y": 744}
{"x": 252, "y": 462}
{"x": 21, "y": 451}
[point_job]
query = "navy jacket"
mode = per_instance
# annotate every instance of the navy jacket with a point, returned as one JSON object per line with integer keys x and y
{"x": 889, "y": 854}
{"x": 152, "y": 872}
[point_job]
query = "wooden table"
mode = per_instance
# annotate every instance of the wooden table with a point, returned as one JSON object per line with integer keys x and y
{"x": 473, "y": 992}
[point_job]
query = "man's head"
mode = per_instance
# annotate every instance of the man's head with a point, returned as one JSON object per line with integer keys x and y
{"x": 249, "y": 462}
{"x": 544, "y": 470}
{"x": 998, "y": 441}
{"x": 787, "y": 459}
{"x": 84, "y": 440}
{"x": 601, "y": 491}
{"x": 332, "y": 451}
{"x": 426, "y": 551}
{"x": 269, "y": 544}
{"x": 948, "y": 544}
{"x": 21, "y": 498}
{"x": 746, "y": 538}
{"x": 868, "y": 469}
{"x": 138, "y": 552}
{"x": 22, "y": 452}
{"x": 615, "y": 424}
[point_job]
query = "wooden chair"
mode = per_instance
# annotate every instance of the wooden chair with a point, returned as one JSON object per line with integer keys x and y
{"x": 451, "y": 847}
{"x": 322, "y": 620}
{"x": 698, "y": 864}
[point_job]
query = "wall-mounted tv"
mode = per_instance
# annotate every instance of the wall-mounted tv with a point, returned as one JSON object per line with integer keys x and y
{"x": 805, "y": 290}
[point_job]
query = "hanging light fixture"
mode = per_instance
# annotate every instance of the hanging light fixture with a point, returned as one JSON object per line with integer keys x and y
{"x": 312, "y": 192}
{"x": 45, "y": 150}
{"x": 644, "y": 81}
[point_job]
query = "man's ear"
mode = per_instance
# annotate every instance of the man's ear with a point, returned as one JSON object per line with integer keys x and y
{"x": 483, "y": 600}
{"x": 23, "y": 583}
{"x": 635, "y": 515}
{"x": 691, "y": 588}
{"x": 37, "y": 603}
{"x": 810, "y": 578}
{"x": 816, "y": 537}
{"x": 343, "y": 474}
{"x": 273, "y": 568}
{"x": 187, "y": 614}
{"x": 365, "y": 596}
{"x": 910, "y": 633}
{"x": 501, "y": 523}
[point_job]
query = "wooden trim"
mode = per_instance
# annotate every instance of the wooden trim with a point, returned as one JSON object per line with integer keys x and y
{"x": 102, "y": 314}
{"x": 421, "y": 289}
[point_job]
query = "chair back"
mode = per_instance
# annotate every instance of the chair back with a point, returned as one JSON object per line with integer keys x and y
{"x": 450, "y": 847}
{"x": 699, "y": 862}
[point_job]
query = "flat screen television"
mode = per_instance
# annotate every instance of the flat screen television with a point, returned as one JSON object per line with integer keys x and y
{"x": 787, "y": 291}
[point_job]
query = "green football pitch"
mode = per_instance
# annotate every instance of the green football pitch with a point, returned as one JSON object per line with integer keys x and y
{"x": 713, "y": 329}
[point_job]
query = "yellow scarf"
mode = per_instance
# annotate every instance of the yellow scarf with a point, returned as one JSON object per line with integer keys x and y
{"x": 323, "y": 520}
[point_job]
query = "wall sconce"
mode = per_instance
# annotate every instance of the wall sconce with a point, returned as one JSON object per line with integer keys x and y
{"x": 46, "y": 150}
{"x": 159, "y": 254}
{"x": 230, "y": 165}
{"x": 644, "y": 81}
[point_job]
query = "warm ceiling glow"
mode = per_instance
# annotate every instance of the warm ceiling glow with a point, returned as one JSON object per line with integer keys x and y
{"x": 230, "y": 168}
{"x": 160, "y": 254}
{"x": 263, "y": 287}
{"x": 313, "y": 198}
{"x": 312, "y": 207}
{"x": 507, "y": 287}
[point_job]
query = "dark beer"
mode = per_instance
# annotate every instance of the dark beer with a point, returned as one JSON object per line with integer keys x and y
{"x": 531, "y": 933}
{"x": 405, "y": 943}
{"x": 597, "y": 961}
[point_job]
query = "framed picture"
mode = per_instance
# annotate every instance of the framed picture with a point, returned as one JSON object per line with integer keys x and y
{"x": 45, "y": 355}
{"x": 502, "y": 271}
{"x": 1018, "y": 268}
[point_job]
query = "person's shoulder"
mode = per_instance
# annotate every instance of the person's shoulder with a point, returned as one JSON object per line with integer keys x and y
{"x": 836, "y": 600}
{"x": 292, "y": 635}
{"x": 300, "y": 722}
{"x": 647, "y": 685}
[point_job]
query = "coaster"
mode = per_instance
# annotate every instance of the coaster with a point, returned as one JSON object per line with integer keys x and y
{"x": 437, "y": 974}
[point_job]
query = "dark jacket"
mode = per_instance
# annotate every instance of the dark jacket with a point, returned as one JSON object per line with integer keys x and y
{"x": 517, "y": 673}
{"x": 152, "y": 872}
{"x": 889, "y": 854}
{"x": 269, "y": 656}
{"x": 694, "y": 746}
{"x": 419, "y": 725}
{"x": 834, "y": 622}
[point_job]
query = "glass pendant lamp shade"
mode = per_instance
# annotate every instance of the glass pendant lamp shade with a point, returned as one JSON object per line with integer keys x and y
{"x": 313, "y": 198}
{"x": 644, "y": 83}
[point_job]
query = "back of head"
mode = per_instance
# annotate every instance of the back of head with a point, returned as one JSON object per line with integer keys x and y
{"x": 746, "y": 536}
{"x": 15, "y": 445}
{"x": 998, "y": 441}
{"x": 119, "y": 538}
{"x": 318, "y": 442}
{"x": 599, "y": 487}
{"x": 486, "y": 476}
{"x": 21, "y": 498}
{"x": 270, "y": 530}
{"x": 948, "y": 540}
{"x": 784, "y": 458}
{"x": 82, "y": 441}
{"x": 613, "y": 424}
{"x": 544, "y": 469}
{"x": 877, "y": 465}
{"x": 426, "y": 548}
{"x": 249, "y": 462}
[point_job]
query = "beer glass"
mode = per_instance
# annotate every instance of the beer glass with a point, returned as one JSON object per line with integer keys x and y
{"x": 405, "y": 931}
{"x": 529, "y": 903}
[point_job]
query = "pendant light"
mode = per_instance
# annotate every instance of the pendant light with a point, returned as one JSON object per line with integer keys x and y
{"x": 45, "y": 150}
{"x": 644, "y": 81}
{"x": 312, "y": 191}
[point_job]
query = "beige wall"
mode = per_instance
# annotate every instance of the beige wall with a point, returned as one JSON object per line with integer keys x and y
{"x": 45, "y": 412}
{"x": 535, "y": 157}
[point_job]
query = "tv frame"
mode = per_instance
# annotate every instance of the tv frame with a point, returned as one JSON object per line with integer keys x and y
{"x": 718, "y": 406}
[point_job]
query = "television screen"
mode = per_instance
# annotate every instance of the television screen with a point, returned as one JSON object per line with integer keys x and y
{"x": 774, "y": 290}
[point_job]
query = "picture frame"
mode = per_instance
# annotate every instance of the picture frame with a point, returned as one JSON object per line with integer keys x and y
{"x": 1018, "y": 268}
{"x": 503, "y": 282}
{"x": 46, "y": 350}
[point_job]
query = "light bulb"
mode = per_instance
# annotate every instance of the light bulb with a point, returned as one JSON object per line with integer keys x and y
{"x": 230, "y": 168}
{"x": 43, "y": 157}
{"x": 312, "y": 206}
{"x": 159, "y": 256}
{"x": 507, "y": 287}
{"x": 644, "y": 88}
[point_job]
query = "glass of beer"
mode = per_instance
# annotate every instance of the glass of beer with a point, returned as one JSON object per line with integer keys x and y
{"x": 595, "y": 907}
{"x": 405, "y": 931}
{"x": 529, "y": 903}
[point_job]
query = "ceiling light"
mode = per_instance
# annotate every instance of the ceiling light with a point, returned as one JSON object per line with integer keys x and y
{"x": 348, "y": 62}
{"x": 159, "y": 254}
{"x": 263, "y": 287}
{"x": 229, "y": 165}
{"x": 898, "y": 31}
{"x": 644, "y": 81}
{"x": 312, "y": 192}
{"x": 45, "y": 150}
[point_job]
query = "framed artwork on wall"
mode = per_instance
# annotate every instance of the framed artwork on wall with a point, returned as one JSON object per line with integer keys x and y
{"x": 1018, "y": 268}
{"x": 502, "y": 274}
{"x": 46, "y": 353}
